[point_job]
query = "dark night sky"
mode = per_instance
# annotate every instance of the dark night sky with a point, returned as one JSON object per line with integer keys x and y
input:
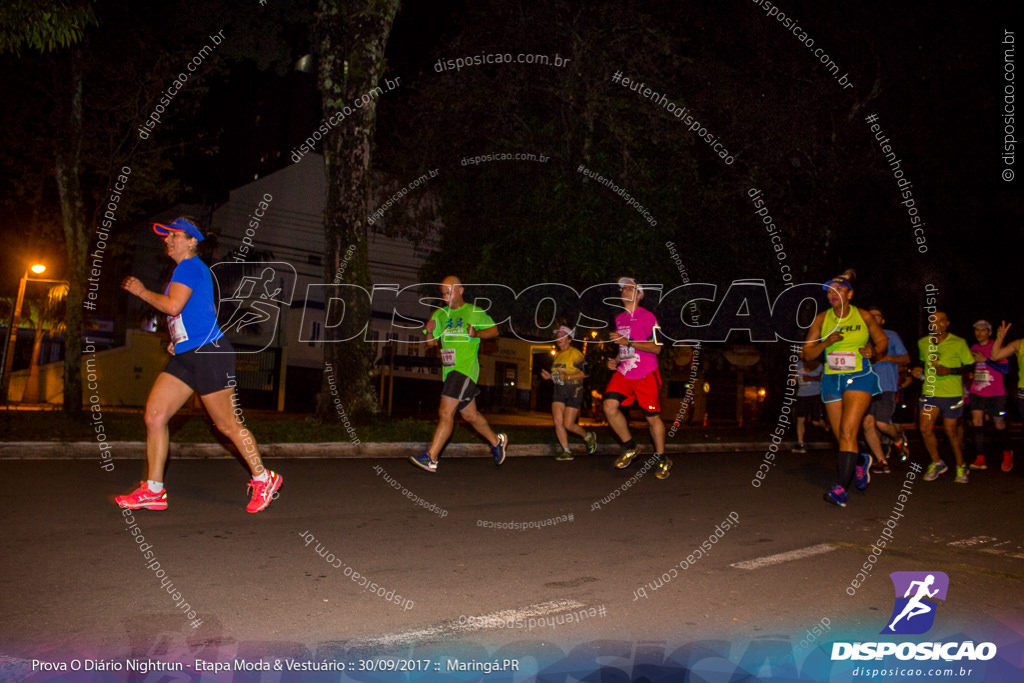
{"x": 939, "y": 68}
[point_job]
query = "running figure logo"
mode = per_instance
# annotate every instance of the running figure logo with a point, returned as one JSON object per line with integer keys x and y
{"x": 914, "y": 612}
{"x": 249, "y": 310}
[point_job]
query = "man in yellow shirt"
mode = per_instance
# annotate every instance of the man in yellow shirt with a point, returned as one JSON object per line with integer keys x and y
{"x": 946, "y": 358}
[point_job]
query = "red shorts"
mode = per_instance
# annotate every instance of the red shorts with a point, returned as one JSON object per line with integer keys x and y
{"x": 645, "y": 392}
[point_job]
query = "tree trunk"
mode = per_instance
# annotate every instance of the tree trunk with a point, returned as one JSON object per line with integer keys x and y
{"x": 67, "y": 172}
{"x": 353, "y": 36}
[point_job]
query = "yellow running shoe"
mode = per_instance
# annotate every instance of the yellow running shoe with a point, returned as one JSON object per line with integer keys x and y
{"x": 626, "y": 458}
{"x": 664, "y": 468}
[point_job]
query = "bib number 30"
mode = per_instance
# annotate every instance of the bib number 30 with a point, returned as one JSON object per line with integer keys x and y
{"x": 842, "y": 361}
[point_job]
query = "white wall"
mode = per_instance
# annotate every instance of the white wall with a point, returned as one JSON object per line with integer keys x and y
{"x": 120, "y": 377}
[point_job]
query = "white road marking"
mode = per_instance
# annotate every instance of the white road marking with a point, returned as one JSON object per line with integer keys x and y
{"x": 475, "y": 623}
{"x": 769, "y": 560}
{"x": 1001, "y": 548}
{"x": 974, "y": 540}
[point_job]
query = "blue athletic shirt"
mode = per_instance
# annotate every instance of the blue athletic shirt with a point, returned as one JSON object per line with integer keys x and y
{"x": 889, "y": 373}
{"x": 197, "y": 323}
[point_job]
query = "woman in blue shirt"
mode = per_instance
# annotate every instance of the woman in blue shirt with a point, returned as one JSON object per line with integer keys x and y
{"x": 201, "y": 361}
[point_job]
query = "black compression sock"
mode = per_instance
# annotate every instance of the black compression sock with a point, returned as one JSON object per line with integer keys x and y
{"x": 845, "y": 465}
{"x": 978, "y": 434}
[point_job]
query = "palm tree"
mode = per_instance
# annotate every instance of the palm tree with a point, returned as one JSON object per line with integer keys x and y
{"x": 52, "y": 315}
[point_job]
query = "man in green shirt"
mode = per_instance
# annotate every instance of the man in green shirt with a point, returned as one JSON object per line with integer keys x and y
{"x": 946, "y": 358}
{"x": 459, "y": 327}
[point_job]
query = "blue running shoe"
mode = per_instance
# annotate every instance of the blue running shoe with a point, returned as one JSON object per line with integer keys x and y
{"x": 424, "y": 462}
{"x": 862, "y": 475}
{"x": 499, "y": 450}
{"x": 836, "y": 496}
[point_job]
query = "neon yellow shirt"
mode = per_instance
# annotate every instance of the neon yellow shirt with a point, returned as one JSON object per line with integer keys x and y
{"x": 844, "y": 356}
{"x": 951, "y": 352}
{"x": 568, "y": 361}
{"x": 1020, "y": 364}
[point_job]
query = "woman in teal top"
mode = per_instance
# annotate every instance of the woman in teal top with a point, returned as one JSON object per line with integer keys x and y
{"x": 848, "y": 382}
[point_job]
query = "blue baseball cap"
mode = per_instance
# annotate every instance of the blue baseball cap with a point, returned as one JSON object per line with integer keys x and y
{"x": 178, "y": 225}
{"x": 837, "y": 282}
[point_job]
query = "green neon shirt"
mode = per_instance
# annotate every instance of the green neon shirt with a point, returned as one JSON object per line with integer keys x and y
{"x": 952, "y": 352}
{"x": 459, "y": 351}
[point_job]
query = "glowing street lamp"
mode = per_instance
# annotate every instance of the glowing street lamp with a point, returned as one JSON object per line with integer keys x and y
{"x": 593, "y": 337}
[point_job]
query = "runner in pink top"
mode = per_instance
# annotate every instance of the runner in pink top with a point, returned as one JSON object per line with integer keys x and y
{"x": 636, "y": 379}
{"x": 987, "y": 394}
{"x": 635, "y": 363}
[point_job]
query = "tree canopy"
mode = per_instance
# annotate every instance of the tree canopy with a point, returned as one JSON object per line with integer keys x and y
{"x": 43, "y": 26}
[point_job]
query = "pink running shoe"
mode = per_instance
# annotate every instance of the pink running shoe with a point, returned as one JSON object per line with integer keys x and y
{"x": 263, "y": 492}
{"x": 143, "y": 499}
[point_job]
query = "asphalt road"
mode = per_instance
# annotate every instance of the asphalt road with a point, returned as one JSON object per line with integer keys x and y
{"x": 625, "y": 578}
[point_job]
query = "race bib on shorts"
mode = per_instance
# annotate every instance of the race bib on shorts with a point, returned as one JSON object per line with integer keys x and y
{"x": 177, "y": 329}
{"x": 842, "y": 361}
{"x": 448, "y": 358}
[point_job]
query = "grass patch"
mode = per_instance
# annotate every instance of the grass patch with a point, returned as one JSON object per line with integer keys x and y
{"x": 128, "y": 425}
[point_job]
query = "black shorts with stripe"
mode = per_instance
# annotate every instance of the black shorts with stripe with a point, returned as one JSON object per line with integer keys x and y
{"x": 461, "y": 388}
